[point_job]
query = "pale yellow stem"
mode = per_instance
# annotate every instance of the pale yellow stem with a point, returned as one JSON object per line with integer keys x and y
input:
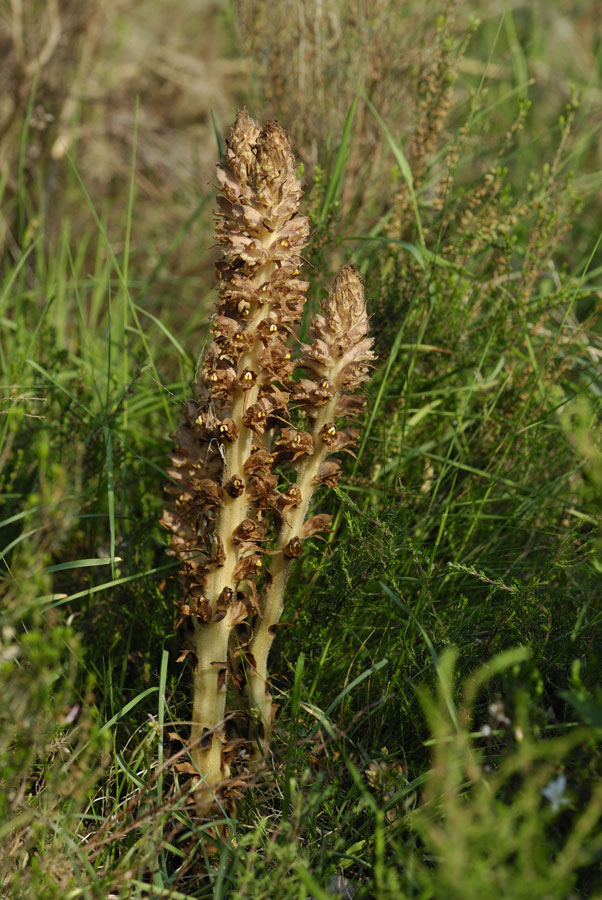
{"x": 211, "y": 638}
{"x": 273, "y": 600}
{"x": 211, "y": 645}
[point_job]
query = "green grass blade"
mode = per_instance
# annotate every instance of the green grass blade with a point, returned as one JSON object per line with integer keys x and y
{"x": 132, "y": 704}
{"x": 161, "y": 721}
{"x": 403, "y": 164}
{"x": 353, "y": 684}
{"x": 334, "y": 183}
{"x": 221, "y": 149}
{"x": 106, "y": 585}
{"x": 80, "y": 564}
{"x": 110, "y": 492}
{"x": 519, "y": 60}
{"x": 167, "y": 334}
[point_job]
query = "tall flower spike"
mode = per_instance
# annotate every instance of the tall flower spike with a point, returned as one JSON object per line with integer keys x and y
{"x": 216, "y": 525}
{"x": 338, "y": 361}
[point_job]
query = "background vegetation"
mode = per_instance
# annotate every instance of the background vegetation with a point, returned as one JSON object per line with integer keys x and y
{"x": 440, "y": 697}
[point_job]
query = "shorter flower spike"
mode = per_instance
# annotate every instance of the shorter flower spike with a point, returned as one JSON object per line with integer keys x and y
{"x": 338, "y": 361}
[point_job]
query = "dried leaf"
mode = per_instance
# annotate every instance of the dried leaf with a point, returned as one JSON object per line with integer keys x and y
{"x": 186, "y": 768}
{"x": 321, "y": 522}
{"x": 237, "y": 613}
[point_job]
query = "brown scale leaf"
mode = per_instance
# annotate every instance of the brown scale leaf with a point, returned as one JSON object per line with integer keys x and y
{"x": 210, "y": 493}
{"x": 177, "y": 525}
{"x": 247, "y": 567}
{"x": 228, "y": 431}
{"x": 310, "y": 395}
{"x": 250, "y": 597}
{"x": 255, "y": 416}
{"x": 259, "y": 462}
{"x": 289, "y": 499}
{"x": 221, "y": 381}
{"x": 250, "y": 249}
{"x": 268, "y": 329}
{"x": 329, "y": 473}
{"x": 277, "y": 361}
{"x": 261, "y": 491}
{"x": 292, "y": 444}
{"x": 293, "y": 549}
{"x": 351, "y": 405}
{"x": 344, "y": 439}
{"x": 249, "y": 530}
{"x": 237, "y": 613}
{"x": 315, "y": 524}
{"x": 289, "y": 239}
{"x": 319, "y": 357}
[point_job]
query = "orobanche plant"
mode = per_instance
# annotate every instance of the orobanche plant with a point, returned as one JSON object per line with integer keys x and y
{"x": 253, "y": 446}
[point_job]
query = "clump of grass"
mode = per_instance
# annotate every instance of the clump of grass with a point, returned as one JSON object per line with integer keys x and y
{"x": 49, "y": 755}
{"x": 497, "y": 810}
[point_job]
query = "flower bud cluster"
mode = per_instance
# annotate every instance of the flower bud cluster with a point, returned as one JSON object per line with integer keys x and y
{"x": 242, "y": 472}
